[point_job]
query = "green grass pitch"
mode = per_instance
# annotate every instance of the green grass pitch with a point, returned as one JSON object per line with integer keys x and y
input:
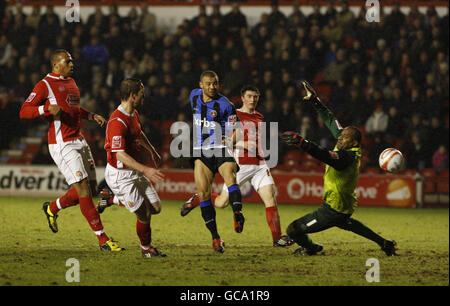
{"x": 30, "y": 254}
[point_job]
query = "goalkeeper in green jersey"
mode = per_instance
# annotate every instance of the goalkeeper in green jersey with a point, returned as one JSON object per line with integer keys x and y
{"x": 340, "y": 179}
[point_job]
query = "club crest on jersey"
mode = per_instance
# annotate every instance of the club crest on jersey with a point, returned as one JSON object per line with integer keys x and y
{"x": 73, "y": 100}
{"x": 31, "y": 97}
{"x": 61, "y": 88}
{"x": 213, "y": 114}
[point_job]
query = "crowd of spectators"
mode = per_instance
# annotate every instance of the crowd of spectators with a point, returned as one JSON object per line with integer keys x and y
{"x": 390, "y": 77}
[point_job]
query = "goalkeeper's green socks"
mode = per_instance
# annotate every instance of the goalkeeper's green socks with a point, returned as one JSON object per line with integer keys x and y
{"x": 358, "y": 228}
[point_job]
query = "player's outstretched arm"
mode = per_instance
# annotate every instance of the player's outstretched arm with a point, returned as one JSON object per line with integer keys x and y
{"x": 154, "y": 175}
{"x": 85, "y": 114}
{"x": 327, "y": 116}
{"x": 99, "y": 119}
{"x": 145, "y": 143}
{"x": 338, "y": 160}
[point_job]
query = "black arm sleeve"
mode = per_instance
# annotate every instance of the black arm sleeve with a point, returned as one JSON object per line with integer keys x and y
{"x": 328, "y": 118}
{"x": 336, "y": 159}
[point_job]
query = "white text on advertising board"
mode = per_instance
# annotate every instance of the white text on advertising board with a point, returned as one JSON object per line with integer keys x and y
{"x": 298, "y": 189}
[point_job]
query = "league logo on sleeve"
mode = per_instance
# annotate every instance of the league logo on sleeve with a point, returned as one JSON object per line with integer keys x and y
{"x": 232, "y": 120}
{"x": 31, "y": 97}
{"x": 116, "y": 142}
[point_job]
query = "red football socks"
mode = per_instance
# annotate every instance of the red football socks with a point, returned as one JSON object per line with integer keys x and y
{"x": 144, "y": 233}
{"x": 273, "y": 220}
{"x": 89, "y": 211}
{"x": 70, "y": 198}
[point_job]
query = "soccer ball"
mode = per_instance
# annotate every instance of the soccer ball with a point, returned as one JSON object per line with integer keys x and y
{"x": 391, "y": 160}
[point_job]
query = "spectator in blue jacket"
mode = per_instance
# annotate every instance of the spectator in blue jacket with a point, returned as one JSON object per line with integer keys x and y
{"x": 95, "y": 53}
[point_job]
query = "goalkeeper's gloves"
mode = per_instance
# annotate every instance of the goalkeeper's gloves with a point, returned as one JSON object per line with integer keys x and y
{"x": 292, "y": 139}
{"x": 310, "y": 92}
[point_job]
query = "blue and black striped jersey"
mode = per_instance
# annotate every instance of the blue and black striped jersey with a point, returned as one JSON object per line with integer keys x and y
{"x": 211, "y": 120}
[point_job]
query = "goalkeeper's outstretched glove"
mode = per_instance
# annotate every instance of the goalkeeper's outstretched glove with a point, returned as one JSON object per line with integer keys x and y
{"x": 292, "y": 138}
{"x": 311, "y": 94}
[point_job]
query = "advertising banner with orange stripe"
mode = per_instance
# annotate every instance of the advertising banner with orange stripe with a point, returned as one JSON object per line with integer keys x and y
{"x": 302, "y": 188}
{"x": 292, "y": 188}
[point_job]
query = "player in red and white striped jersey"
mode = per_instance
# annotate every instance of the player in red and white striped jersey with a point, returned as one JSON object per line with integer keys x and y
{"x": 127, "y": 173}
{"x": 252, "y": 166}
{"x": 57, "y": 98}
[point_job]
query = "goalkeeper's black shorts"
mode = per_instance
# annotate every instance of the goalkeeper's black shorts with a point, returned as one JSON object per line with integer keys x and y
{"x": 321, "y": 219}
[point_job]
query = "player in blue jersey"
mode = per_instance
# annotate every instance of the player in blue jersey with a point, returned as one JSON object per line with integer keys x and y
{"x": 214, "y": 132}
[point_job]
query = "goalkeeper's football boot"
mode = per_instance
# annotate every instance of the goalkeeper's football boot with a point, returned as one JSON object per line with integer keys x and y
{"x": 310, "y": 251}
{"x": 218, "y": 245}
{"x": 310, "y": 92}
{"x": 238, "y": 221}
{"x": 389, "y": 247}
{"x": 103, "y": 203}
{"x": 111, "y": 246}
{"x": 152, "y": 252}
{"x": 51, "y": 218}
{"x": 187, "y": 206}
{"x": 283, "y": 241}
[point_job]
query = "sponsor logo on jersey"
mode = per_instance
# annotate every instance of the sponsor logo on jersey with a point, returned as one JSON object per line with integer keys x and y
{"x": 73, "y": 100}
{"x": 205, "y": 122}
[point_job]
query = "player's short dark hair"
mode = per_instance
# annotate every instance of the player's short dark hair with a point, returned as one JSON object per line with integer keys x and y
{"x": 129, "y": 86}
{"x": 56, "y": 53}
{"x": 249, "y": 88}
{"x": 357, "y": 135}
{"x": 209, "y": 73}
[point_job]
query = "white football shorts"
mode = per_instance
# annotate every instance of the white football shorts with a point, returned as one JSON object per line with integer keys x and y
{"x": 130, "y": 187}
{"x": 258, "y": 175}
{"x": 74, "y": 160}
